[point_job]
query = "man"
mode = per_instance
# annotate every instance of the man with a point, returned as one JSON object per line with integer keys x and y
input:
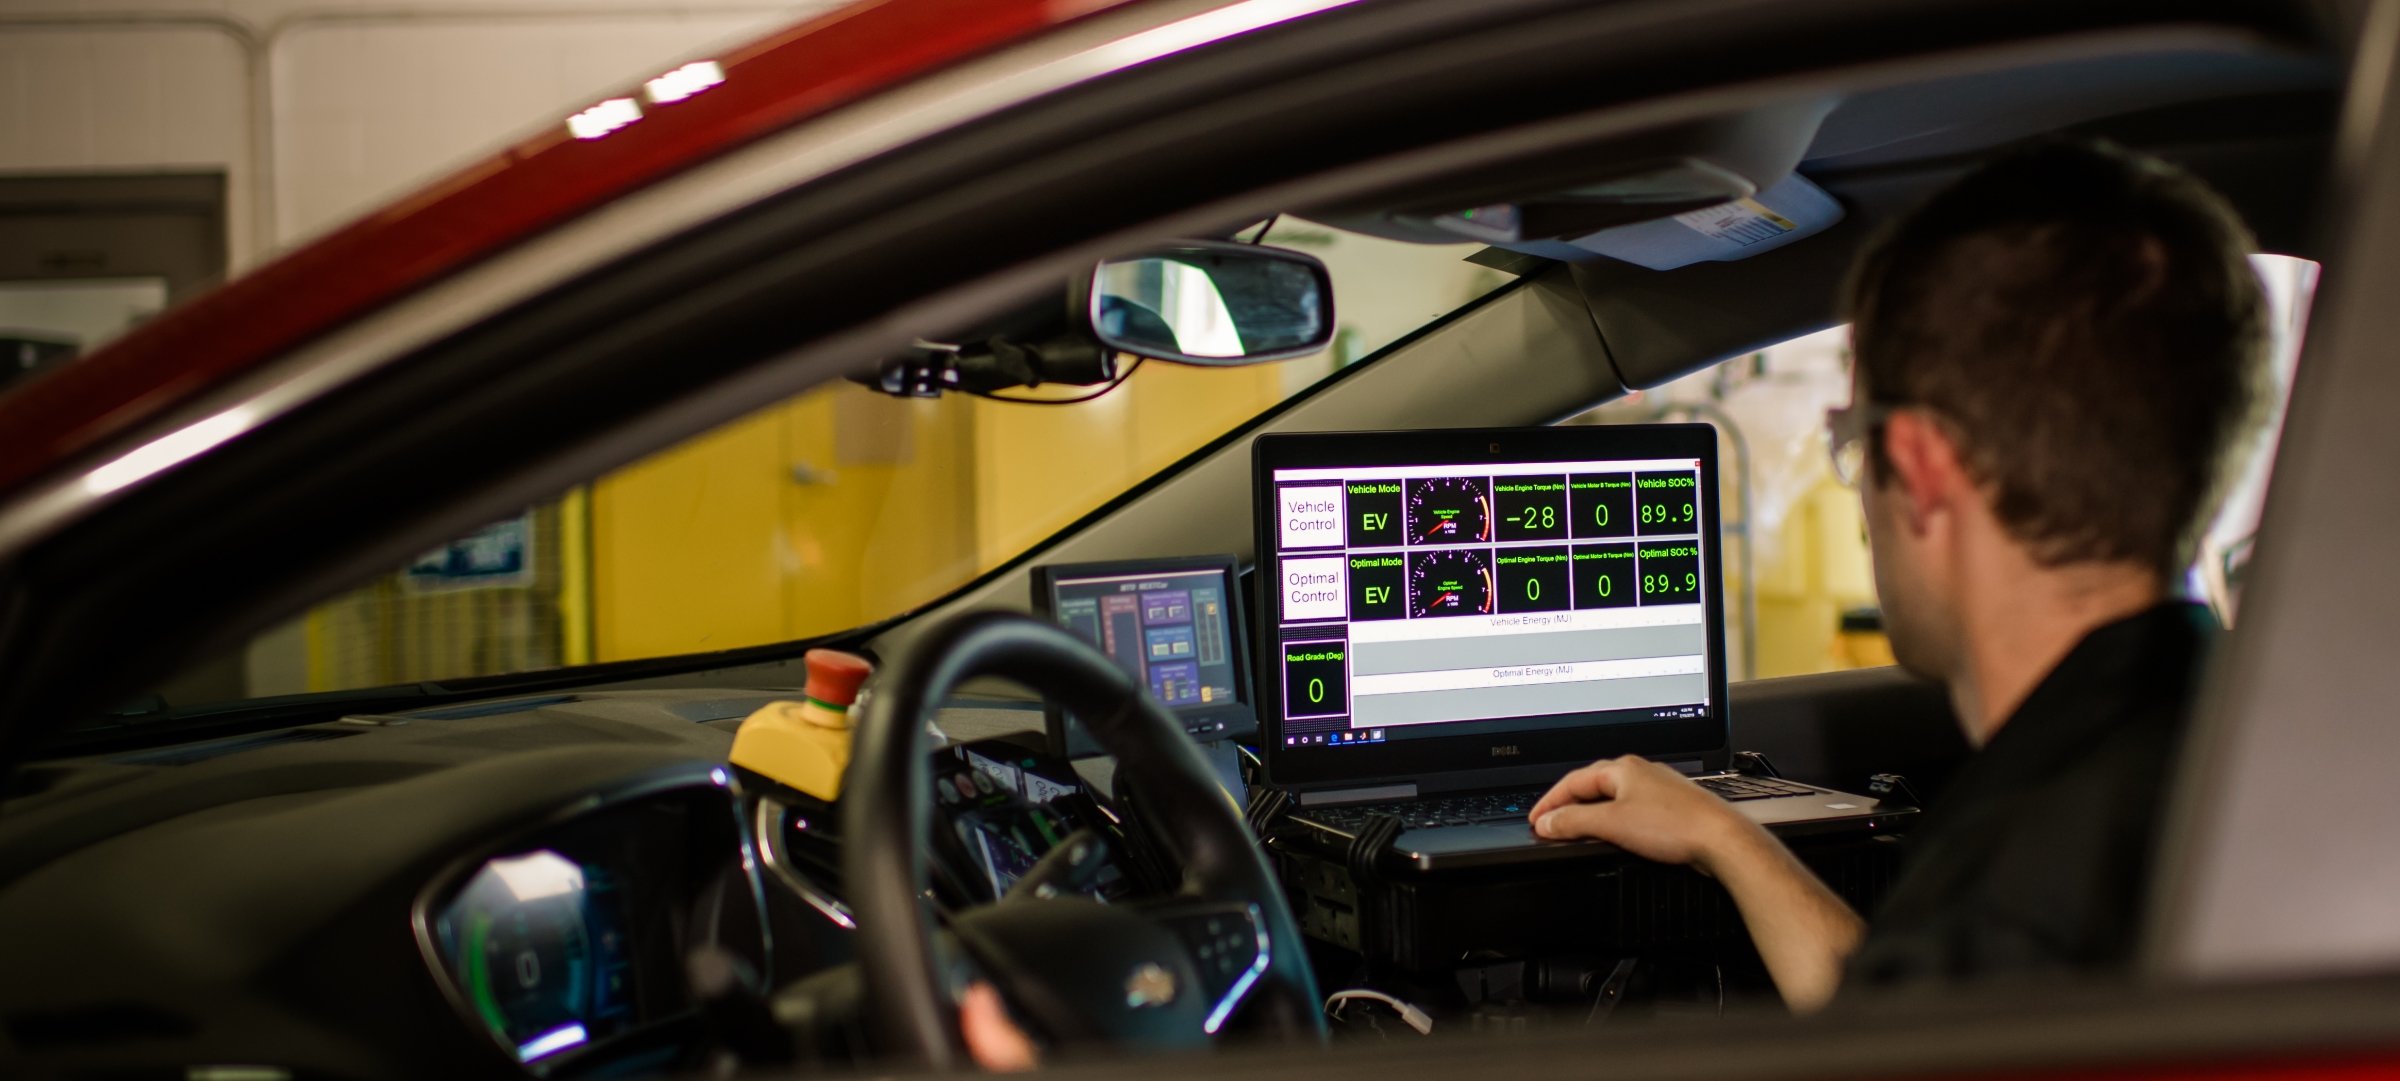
{"x": 2053, "y": 358}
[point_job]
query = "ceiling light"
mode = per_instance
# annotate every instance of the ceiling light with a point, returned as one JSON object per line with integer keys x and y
{"x": 603, "y": 118}
{"x": 683, "y": 82}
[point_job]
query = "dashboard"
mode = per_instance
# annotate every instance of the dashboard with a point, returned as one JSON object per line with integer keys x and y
{"x": 507, "y": 888}
{"x": 1008, "y": 808}
{"x": 508, "y": 891}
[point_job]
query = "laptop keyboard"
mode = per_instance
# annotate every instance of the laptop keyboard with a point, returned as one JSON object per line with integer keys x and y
{"x": 1428, "y": 813}
{"x": 1738, "y": 788}
{"x": 1512, "y": 806}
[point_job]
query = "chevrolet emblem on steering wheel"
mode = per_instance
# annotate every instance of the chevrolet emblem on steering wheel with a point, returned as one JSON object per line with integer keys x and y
{"x": 1149, "y": 985}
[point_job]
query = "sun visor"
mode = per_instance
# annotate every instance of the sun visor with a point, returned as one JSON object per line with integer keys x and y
{"x": 1791, "y": 209}
{"x": 1545, "y": 195}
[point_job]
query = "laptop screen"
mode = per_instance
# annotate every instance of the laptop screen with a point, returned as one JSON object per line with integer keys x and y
{"x": 1501, "y": 596}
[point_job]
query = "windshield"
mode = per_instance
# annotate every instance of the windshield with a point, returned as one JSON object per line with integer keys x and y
{"x": 841, "y": 506}
{"x": 826, "y": 511}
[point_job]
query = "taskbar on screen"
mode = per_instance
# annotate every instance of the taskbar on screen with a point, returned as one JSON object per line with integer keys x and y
{"x": 1296, "y": 735}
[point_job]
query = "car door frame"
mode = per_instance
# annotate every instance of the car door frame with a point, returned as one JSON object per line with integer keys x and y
{"x": 2295, "y": 703}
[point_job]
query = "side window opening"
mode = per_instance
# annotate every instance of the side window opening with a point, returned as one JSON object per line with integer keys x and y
{"x": 1800, "y": 590}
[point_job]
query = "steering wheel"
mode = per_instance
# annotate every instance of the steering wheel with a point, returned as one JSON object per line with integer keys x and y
{"x": 1218, "y": 954}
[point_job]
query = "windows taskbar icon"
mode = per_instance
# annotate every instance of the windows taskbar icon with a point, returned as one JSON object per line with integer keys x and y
{"x": 1347, "y": 738}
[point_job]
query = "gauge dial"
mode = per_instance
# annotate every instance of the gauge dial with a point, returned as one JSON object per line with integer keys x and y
{"x": 1454, "y": 583}
{"x": 528, "y": 969}
{"x": 521, "y": 948}
{"x": 1449, "y": 510}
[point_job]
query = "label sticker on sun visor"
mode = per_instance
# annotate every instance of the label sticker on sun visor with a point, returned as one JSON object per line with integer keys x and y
{"x": 1742, "y": 222}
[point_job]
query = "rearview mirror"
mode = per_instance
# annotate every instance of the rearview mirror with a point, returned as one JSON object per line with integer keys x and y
{"x": 1211, "y": 302}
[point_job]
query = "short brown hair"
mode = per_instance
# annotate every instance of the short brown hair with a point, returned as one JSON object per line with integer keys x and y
{"x": 2085, "y": 323}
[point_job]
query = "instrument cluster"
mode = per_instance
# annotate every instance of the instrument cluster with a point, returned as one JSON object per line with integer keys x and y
{"x": 572, "y": 938}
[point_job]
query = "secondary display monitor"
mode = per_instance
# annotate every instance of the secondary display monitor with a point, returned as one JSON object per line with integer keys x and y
{"x": 1173, "y": 624}
{"x": 1448, "y": 599}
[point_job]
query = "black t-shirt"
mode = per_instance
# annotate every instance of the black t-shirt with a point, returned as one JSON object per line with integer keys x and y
{"x": 2037, "y": 860}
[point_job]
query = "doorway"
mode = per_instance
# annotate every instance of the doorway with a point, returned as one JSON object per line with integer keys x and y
{"x": 86, "y": 258}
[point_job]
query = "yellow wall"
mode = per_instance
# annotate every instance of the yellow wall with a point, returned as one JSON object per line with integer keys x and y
{"x": 1818, "y": 570}
{"x": 1039, "y": 467}
{"x": 885, "y": 519}
{"x": 684, "y": 546}
{"x": 392, "y": 631}
{"x": 755, "y": 532}
{"x": 843, "y": 506}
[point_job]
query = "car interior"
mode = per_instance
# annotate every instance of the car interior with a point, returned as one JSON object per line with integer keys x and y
{"x": 574, "y": 872}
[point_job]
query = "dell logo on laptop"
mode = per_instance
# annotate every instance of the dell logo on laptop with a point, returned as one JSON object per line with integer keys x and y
{"x": 1505, "y": 750}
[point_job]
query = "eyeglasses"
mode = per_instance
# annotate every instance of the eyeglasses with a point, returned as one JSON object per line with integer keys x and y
{"x": 1846, "y": 431}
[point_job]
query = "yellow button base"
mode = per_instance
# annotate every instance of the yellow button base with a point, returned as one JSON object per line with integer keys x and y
{"x": 794, "y": 744}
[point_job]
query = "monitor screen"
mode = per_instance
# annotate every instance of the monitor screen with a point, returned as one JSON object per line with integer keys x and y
{"x": 1171, "y": 624}
{"x": 1563, "y": 583}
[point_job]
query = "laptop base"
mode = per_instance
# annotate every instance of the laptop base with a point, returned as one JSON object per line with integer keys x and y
{"x": 1589, "y": 897}
{"x": 1488, "y": 829}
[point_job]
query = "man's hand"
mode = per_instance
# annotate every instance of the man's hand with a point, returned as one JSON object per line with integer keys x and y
{"x": 1802, "y": 930}
{"x": 1644, "y": 808}
{"x": 994, "y": 1040}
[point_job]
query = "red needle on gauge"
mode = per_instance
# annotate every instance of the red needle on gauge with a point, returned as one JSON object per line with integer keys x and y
{"x": 1437, "y": 527}
{"x": 1440, "y": 601}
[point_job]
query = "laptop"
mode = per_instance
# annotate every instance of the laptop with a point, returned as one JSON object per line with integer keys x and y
{"x": 1451, "y": 620}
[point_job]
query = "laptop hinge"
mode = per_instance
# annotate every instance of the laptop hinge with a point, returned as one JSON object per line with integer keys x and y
{"x": 1377, "y": 794}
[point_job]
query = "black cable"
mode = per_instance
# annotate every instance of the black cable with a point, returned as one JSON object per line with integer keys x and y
{"x": 1367, "y": 846}
{"x": 1266, "y": 810}
{"x": 1755, "y": 764}
{"x": 1261, "y": 234}
{"x": 1111, "y": 385}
